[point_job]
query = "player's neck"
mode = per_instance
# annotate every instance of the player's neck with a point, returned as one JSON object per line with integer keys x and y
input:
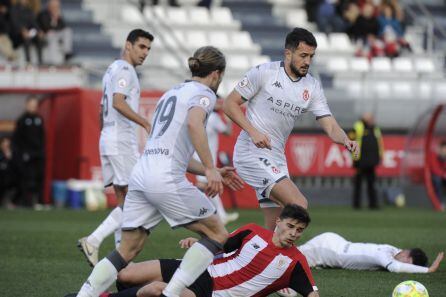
{"x": 127, "y": 59}
{"x": 203, "y": 80}
{"x": 276, "y": 241}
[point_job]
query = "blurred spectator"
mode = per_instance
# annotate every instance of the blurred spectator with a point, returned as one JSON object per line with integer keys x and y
{"x": 7, "y": 177}
{"x": 24, "y": 29}
{"x": 327, "y": 17}
{"x": 28, "y": 142}
{"x": 6, "y": 48}
{"x": 205, "y": 3}
{"x": 391, "y": 31}
{"x": 438, "y": 168}
{"x": 370, "y": 142}
{"x": 56, "y": 32}
{"x": 311, "y": 7}
{"x": 365, "y": 30}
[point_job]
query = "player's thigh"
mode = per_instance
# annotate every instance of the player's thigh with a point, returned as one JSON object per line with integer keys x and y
{"x": 212, "y": 227}
{"x": 286, "y": 192}
{"x": 140, "y": 273}
{"x": 138, "y": 212}
{"x": 182, "y": 205}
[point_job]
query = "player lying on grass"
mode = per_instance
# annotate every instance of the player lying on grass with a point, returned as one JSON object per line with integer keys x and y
{"x": 261, "y": 263}
{"x": 332, "y": 250}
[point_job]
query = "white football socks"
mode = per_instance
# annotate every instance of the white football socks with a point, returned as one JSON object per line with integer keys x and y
{"x": 194, "y": 263}
{"x": 104, "y": 274}
{"x": 111, "y": 224}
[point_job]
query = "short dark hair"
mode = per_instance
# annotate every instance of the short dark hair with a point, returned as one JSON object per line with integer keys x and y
{"x": 137, "y": 33}
{"x": 297, "y": 36}
{"x": 418, "y": 257}
{"x": 205, "y": 60}
{"x": 443, "y": 143}
{"x": 295, "y": 212}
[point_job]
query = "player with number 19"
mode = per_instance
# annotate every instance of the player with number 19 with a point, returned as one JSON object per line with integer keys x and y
{"x": 158, "y": 187}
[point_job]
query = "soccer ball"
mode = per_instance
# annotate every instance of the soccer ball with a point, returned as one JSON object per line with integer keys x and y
{"x": 410, "y": 288}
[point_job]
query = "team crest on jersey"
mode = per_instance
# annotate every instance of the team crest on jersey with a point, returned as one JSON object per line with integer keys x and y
{"x": 122, "y": 83}
{"x": 243, "y": 83}
{"x": 204, "y": 101}
{"x": 306, "y": 95}
{"x": 275, "y": 169}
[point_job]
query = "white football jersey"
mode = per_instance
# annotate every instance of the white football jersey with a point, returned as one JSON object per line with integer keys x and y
{"x": 118, "y": 135}
{"x": 331, "y": 250}
{"x": 275, "y": 101}
{"x": 169, "y": 148}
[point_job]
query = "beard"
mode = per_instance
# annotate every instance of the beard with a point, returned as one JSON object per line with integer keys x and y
{"x": 296, "y": 71}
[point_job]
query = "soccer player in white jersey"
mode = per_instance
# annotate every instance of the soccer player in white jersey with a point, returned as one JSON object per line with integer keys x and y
{"x": 277, "y": 93}
{"x": 332, "y": 250}
{"x": 214, "y": 127}
{"x": 118, "y": 144}
{"x": 158, "y": 187}
{"x": 258, "y": 263}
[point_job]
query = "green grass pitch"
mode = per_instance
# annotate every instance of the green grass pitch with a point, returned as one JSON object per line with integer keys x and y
{"x": 39, "y": 258}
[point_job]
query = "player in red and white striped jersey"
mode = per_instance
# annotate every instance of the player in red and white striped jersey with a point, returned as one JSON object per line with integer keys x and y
{"x": 260, "y": 262}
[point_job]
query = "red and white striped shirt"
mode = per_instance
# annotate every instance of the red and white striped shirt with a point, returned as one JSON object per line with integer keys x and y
{"x": 258, "y": 267}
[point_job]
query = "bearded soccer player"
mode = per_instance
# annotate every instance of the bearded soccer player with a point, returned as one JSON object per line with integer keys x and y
{"x": 118, "y": 144}
{"x": 277, "y": 94}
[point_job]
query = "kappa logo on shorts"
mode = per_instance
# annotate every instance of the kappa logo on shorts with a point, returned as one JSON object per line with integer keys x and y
{"x": 203, "y": 211}
{"x": 265, "y": 181}
{"x": 275, "y": 169}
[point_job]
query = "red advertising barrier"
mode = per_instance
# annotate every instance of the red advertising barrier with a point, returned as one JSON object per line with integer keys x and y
{"x": 73, "y": 130}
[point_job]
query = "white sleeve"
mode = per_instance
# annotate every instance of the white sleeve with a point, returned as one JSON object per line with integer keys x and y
{"x": 400, "y": 267}
{"x": 122, "y": 81}
{"x": 318, "y": 105}
{"x": 250, "y": 85}
{"x": 206, "y": 102}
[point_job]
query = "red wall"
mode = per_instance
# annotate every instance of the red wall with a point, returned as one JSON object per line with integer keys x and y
{"x": 73, "y": 132}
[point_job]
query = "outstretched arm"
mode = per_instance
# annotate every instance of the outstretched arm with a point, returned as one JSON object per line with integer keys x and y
{"x": 436, "y": 262}
{"x": 337, "y": 134}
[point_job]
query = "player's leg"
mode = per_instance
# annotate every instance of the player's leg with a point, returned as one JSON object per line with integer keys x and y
{"x": 140, "y": 273}
{"x": 357, "y": 185}
{"x": 186, "y": 206}
{"x": 200, "y": 255}
{"x": 138, "y": 218}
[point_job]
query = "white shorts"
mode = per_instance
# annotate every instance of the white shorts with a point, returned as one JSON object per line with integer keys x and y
{"x": 116, "y": 169}
{"x": 180, "y": 207}
{"x": 260, "y": 169}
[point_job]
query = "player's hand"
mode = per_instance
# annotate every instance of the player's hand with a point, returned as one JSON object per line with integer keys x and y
{"x": 147, "y": 127}
{"x": 353, "y": 147}
{"x": 215, "y": 185}
{"x": 436, "y": 263}
{"x": 187, "y": 242}
{"x": 230, "y": 178}
{"x": 260, "y": 140}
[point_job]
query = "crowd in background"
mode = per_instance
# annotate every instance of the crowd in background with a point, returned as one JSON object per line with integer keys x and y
{"x": 30, "y": 25}
{"x": 376, "y": 26}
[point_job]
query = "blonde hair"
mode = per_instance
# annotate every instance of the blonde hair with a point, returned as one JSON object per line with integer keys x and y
{"x": 205, "y": 60}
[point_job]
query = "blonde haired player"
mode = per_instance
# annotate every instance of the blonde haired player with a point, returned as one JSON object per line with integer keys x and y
{"x": 158, "y": 187}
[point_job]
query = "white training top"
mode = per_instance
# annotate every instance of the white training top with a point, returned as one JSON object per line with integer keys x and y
{"x": 275, "y": 101}
{"x": 214, "y": 127}
{"x": 118, "y": 135}
{"x": 169, "y": 149}
{"x": 331, "y": 250}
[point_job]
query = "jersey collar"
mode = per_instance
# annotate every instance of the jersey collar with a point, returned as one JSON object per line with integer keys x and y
{"x": 282, "y": 64}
